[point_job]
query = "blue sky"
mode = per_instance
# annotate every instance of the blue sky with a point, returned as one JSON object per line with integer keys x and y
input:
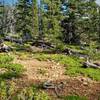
{"x": 98, "y": 1}
{"x": 11, "y": 1}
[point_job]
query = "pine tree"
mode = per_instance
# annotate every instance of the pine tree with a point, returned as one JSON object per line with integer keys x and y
{"x": 35, "y": 28}
{"x": 24, "y": 18}
{"x": 51, "y": 20}
{"x": 81, "y": 21}
{"x": 1, "y": 17}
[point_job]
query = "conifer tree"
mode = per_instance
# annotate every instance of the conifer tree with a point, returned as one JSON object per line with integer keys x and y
{"x": 35, "y": 27}
{"x": 24, "y": 17}
{"x": 1, "y": 17}
{"x": 52, "y": 19}
{"x": 81, "y": 21}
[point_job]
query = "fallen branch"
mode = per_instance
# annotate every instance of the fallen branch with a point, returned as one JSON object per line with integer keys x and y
{"x": 5, "y": 48}
{"x": 56, "y": 87}
{"x": 89, "y": 64}
{"x": 42, "y": 44}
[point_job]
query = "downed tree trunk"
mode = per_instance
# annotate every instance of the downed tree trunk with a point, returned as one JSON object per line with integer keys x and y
{"x": 67, "y": 51}
{"x": 5, "y": 48}
{"x": 89, "y": 64}
{"x": 42, "y": 44}
{"x": 97, "y": 63}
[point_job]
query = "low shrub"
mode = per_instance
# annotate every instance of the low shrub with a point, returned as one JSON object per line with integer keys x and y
{"x": 9, "y": 91}
{"x": 4, "y": 58}
{"x": 10, "y": 69}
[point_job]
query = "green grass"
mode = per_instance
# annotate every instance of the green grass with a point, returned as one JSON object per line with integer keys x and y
{"x": 11, "y": 69}
{"x": 73, "y": 65}
{"x": 74, "y": 98}
{"x": 95, "y": 55}
{"x": 9, "y": 90}
{"x": 18, "y": 47}
{"x": 12, "y": 92}
{"x": 4, "y": 58}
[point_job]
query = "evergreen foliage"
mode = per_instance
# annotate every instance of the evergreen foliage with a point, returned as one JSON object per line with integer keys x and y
{"x": 70, "y": 21}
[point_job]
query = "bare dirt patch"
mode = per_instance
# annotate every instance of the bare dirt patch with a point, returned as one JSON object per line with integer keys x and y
{"x": 76, "y": 87}
{"x": 42, "y": 70}
{"x": 38, "y": 72}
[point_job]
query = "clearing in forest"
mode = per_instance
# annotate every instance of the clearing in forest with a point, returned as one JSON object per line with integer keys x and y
{"x": 42, "y": 70}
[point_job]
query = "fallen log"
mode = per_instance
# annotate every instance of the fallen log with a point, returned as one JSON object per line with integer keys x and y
{"x": 90, "y": 64}
{"x": 67, "y": 51}
{"x": 12, "y": 39}
{"x": 5, "y": 48}
{"x": 42, "y": 44}
{"x": 97, "y": 63}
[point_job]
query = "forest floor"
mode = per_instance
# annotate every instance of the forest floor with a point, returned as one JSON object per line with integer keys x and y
{"x": 38, "y": 72}
{"x": 42, "y": 70}
{"x": 59, "y": 69}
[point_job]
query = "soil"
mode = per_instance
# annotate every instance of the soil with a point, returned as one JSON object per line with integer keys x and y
{"x": 38, "y": 72}
{"x": 42, "y": 70}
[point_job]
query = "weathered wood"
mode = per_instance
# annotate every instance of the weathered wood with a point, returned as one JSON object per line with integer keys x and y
{"x": 97, "y": 63}
{"x": 67, "y": 51}
{"x": 11, "y": 39}
{"x": 48, "y": 85}
{"x": 42, "y": 44}
{"x": 4, "y": 48}
{"x": 56, "y": 87}
{"x": 90, "y": 64}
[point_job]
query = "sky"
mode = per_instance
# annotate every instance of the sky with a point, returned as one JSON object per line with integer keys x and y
{"x": 12, "y": 1}
{"x": 98, "y": 1}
